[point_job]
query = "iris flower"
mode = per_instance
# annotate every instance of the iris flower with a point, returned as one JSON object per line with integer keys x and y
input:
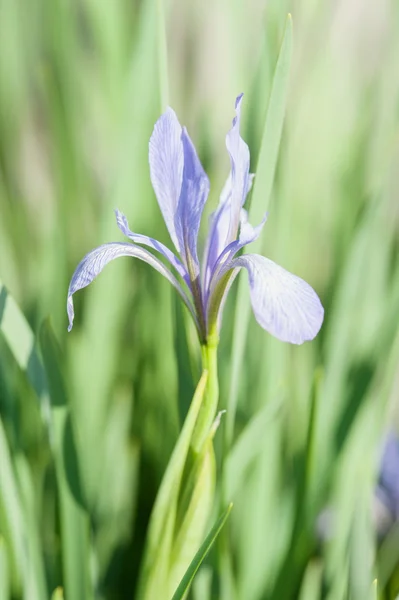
{"x": 283, "y": 304}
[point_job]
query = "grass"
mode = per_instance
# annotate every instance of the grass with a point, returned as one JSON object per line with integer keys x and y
{"x": 88, "y": 420}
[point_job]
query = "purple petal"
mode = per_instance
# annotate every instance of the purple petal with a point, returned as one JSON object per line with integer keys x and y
{"x": 94, "y": 262}
{"x": 219, "y": 229}
{"x": 283, "y": 304}
{"x": 138, "y": 238}
{"x": 194, "y": 193}
{"x": 239, "y": 158}
{"x": 388, "y": 484}
{"x": 248, "y": 234}
{"x": 166, "y": 167}
{"x": 216, "y": 239}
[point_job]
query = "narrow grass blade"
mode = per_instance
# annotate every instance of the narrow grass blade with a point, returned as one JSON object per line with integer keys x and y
{"x": 185, "y": 583}
{"x": 262, "y": 188}
{"x": 11, "y": 515}
{"x": 162, "y": 56}
{"x": 58, "y": 594}
{"x": 248, "y": 446}
{"x": 21, "y": 341}
{"x": 75, "y": 526}
{"x": 312, "y": 582}
{"x": 4, "y": 571}
{"x": 160, "y": 531}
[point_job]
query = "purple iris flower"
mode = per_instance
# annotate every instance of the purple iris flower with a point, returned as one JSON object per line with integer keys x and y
{"x": 283, "y": 304}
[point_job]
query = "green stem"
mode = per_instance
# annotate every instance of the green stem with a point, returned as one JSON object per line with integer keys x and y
{"x": 208, "y": 409}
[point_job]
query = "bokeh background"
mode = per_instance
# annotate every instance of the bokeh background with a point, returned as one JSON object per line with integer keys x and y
{"x": 81, "y": 85}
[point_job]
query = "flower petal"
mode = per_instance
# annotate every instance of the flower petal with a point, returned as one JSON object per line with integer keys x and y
{"x": 194, "y": 193}
{"x": 248, "y": 234}
{"x": 388, "y": 484}
{"x": 138, "y": 238}
{"x": 216, "y": 239}
{"x": 166, "y": 167}
{"x": 94, "y": 262}
{"x": 239, "y": 157}
{"x": 283, "y": 304}
{"x": 219, "y": 229}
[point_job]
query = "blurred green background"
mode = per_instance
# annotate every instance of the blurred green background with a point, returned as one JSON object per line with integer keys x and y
{"x": 84, "y": 443}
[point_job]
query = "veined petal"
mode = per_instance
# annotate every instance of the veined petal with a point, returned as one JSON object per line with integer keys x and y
{"x": 219, "y": 229}
{"x": 248, "y": 234}
{"x": 239, "y": 158}
{"x": 138, "y": 238}
{"x": 166, "y": 167}
{"x": 216, "y": 239}
{"x": 194, "y": 193}
{"x": 283, "y": 304}
{"x": 94, "y": 262}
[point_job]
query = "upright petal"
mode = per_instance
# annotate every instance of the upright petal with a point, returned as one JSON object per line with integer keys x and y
{"x": 94, "y": 262}
{"x": 248, "y": 234}
{"x": 219, "y": 229}
{"x": 239, "y": 158}
{"x": 166, "y": 167}
{"x": 194, "y": 193}
{"x": 283, "y": 304}
{"x": 216, "y": 239}
{"x": 138, "y": 238}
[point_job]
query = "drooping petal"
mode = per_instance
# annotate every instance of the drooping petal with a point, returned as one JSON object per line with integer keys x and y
{"x": 166, "y": 167}
{"x": 283, "y": 304}
{"x": 194, "y": 193}
{"x": 138, "y": 238}
{"x": 94, "y": 262}
{"x": 239, "y": 158}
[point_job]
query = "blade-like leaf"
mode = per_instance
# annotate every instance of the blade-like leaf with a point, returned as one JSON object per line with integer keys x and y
{"x": 200, "y": 556}
{"x": 262, "y": 188}
{"x": 4, "y": 573}
{"x": 21, "y": 341}
{"x": 154, "y": 571}
{"x": 75, "y": 524}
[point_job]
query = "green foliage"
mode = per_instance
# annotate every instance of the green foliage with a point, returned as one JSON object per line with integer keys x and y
{"x": 89, "y": 420}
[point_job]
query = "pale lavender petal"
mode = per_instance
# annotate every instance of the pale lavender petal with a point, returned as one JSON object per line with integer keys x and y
{"x": 388, "y": 483}
{"x": 219, "y": 229}
{"x": 283, "y": 304}
{"x": 239, "y": 158}
{"x": 216, "y": 239}
{"x": 194, "y": 193}
{"x": 94, "y": 262}
{"x": 166, "y": 167}
{"x": 138, "y": 238}
{"x": 248, "y": 234}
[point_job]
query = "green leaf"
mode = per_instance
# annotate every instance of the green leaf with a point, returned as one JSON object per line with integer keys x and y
{"x": 195, "y": 564}
{"x": 154, "y": 573}
{"x": 162, "y": 56}
{"x": 4, "y": 572}
{"x": 260, "y": 198}
{"x": 75, "y": 525}
{"x": 58, "y": 594}
{"x": 11, "y": 516}
{"x": 248, "y": 446}
{"x": 21, "y": 341}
